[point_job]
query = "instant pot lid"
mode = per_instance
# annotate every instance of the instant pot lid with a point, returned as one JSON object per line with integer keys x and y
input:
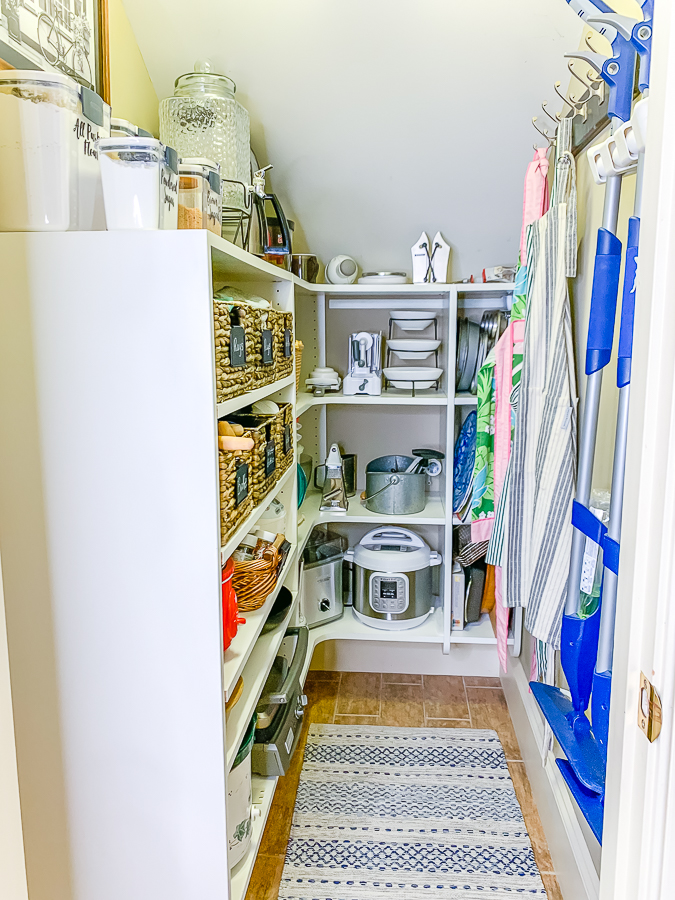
{"x": 392, "y": 550}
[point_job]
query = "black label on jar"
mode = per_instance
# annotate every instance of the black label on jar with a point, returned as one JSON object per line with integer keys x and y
{"x": 241, "y": 484}
{"x": 270, "y": 458}
{"x": 287, "y": 440}
{"x": 288, "y": 343}
{"x": 267, "y": 352}
{"x": 237, "y": 346}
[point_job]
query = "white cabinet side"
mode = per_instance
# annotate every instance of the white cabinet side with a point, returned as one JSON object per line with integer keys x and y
{"x": 109, "y": 539}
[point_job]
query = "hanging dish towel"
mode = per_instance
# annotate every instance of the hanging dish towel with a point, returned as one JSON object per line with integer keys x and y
{"x": 538, "y": 530}
{"x": 535, "y": 195}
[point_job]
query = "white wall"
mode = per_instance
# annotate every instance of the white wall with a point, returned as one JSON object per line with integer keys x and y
{"x": 381, "y": 118}
{"x": 12, "y": 864}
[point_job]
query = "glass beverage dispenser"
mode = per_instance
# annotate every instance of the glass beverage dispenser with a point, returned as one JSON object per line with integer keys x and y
{"x": 203, "y": 119}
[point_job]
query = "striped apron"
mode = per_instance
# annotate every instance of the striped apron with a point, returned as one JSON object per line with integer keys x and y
{"x": 537, "y": 522}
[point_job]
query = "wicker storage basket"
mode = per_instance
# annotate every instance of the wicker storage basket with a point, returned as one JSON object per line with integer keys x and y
{"x": 283, "y": 364}
{"x": 299, "y": 347}
{"x": 263, "y": 429}
{"x": 255, "y": 580}
{"x": 231, "y": 512}
{"x": 231, "y": 381}
{"x": 285, "y": 439}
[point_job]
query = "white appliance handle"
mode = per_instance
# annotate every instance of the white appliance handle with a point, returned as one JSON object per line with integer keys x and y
{"x": 435, "y": 559}
{"x": 379, "y": 536}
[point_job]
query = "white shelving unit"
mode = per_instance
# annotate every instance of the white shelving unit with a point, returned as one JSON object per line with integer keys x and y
{"x": 111, "y": 536}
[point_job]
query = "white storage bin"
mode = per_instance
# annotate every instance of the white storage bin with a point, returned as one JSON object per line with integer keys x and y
{"x": 38, "y": 151}
{"x": 92, "y": 125}
{"x": 140, "y": 183}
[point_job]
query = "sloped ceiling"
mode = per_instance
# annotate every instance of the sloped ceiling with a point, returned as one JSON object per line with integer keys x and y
{"x": 382, "y": 118}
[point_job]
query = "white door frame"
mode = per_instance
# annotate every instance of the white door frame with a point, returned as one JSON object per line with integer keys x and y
{"x": 638, "y": 861}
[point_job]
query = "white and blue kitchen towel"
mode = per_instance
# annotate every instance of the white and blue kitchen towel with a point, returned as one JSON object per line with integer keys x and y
{"x": 407, "y": 813}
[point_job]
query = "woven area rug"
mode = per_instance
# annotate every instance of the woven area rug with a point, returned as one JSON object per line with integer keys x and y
{"x": 405, "y": 814}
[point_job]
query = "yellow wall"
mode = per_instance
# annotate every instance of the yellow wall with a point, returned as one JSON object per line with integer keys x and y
{"x": 133, "y": 96}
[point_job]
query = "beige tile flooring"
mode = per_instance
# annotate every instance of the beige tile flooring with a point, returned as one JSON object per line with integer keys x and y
{"x": 431, "y": 701}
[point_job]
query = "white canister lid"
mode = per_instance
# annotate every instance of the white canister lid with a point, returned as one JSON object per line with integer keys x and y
{"x": 123, "y": 128}
{"x": 200, "y": 161}
{"x": 36, "y": 76}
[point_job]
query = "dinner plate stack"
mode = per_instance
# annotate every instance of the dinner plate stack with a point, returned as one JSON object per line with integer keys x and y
{"x": 413, "y": 377}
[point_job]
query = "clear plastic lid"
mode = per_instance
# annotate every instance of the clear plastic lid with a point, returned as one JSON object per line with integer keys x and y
{"x": 35, "y": 76}
{"x": 122, "y": 127}
{"x": 204, "y": 81}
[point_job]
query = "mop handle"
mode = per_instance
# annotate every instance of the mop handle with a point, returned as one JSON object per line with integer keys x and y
{"x": 623, "y": 365}
{"x": 604, "y": 296}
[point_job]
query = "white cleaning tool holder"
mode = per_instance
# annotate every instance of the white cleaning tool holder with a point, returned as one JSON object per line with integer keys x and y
{"x": 619, "y": 152}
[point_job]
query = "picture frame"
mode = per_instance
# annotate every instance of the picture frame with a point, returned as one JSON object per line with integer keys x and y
{"x": 65, "y": 36}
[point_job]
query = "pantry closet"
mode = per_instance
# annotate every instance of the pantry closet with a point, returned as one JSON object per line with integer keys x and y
{"x": 258, "y": 514}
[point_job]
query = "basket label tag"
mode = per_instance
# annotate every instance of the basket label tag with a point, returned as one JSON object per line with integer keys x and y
{"x": 237, "y": 346}
{"x": 288, "y": 343}
{"x": 267, "y": 353}
{"x": 287, "y": 440}
{"x": 270, "y": 458}
{"x": 241, "y": 484}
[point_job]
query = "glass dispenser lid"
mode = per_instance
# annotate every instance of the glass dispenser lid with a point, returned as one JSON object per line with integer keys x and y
{"x": 204, "y": 81}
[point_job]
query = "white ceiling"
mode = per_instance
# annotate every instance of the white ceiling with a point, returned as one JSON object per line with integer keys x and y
{"x": 382, "y": 118}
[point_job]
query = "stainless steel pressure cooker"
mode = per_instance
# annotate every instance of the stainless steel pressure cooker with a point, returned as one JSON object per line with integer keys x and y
{"x": 392, "y": 578}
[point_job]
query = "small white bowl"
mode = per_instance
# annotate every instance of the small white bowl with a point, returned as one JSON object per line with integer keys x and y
{"x": 412, "y": 319}
{"x": 404, "y": 377}
{"x": 406, "y": 348}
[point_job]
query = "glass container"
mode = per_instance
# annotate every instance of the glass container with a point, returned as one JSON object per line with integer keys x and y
{"x": 203, "y": 119}
{"x": 199, "y": 195}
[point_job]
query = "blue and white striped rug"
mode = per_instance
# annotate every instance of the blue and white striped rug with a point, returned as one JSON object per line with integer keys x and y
{"x": 405, "y": 814}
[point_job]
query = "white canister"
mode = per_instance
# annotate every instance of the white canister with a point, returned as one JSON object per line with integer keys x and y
{"x": 92, "y": 125}
{"x": 39, "y": 164}
{"x": 240, "y": 800}
{"x": 140, "y": 183}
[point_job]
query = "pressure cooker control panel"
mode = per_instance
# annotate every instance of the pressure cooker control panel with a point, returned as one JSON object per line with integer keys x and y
{"x": 389, "y": 592}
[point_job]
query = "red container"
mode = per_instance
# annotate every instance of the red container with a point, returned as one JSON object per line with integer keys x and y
{"x": 231, "y": 620}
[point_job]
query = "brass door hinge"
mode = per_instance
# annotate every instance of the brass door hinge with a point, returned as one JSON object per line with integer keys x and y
{"x": 649, "y": 709}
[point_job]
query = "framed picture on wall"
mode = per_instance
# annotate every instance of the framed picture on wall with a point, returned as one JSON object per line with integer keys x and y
{"x": 68, "y": 36}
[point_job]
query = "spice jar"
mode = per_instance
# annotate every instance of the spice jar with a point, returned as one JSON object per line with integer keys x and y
{"x": 203, "y": 119}
{"x": 140, "y": 183}
{"x": 199, "y": 195}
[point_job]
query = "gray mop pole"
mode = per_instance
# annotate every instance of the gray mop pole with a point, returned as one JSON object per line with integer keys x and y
{"x": 589, "y": 426}
{"x": 610, "y": 583}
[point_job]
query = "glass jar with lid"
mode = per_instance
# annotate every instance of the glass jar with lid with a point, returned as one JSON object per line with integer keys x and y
{"x": 203, "y": 119}
{"x": 199, "y": 197}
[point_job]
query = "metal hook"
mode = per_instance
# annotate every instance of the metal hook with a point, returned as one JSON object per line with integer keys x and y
{"x": 555, "y": 118}
{"x": 568, "y": 101}
{"x": 587, "y": 90}
{"x": 587, "y": 41}
{"x": 544, "y": 133}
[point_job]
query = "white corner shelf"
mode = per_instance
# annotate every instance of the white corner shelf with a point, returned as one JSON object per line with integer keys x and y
{"x": 237, "y": 654}
{"x": 392, "y": 397}
{"x": 232, "y": 264}
{"x": 255, "y": 674}
{"x": 478, "y": 633}
{"x": 235, "y": 539}
{"x": 433, "y": 514}
{"x": 349, "y": 628}
{"x": 235, "y": 403}
{"x": 465, "y": 399}
{"x": 262, "y": 793}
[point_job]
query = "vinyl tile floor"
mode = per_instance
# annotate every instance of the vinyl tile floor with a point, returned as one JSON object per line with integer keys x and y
{"x": 406, "y": 701}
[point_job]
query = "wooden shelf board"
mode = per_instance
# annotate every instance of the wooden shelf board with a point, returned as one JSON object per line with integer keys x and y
{"x": 262, "y": 792}
{"x": 235, "y": 403}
